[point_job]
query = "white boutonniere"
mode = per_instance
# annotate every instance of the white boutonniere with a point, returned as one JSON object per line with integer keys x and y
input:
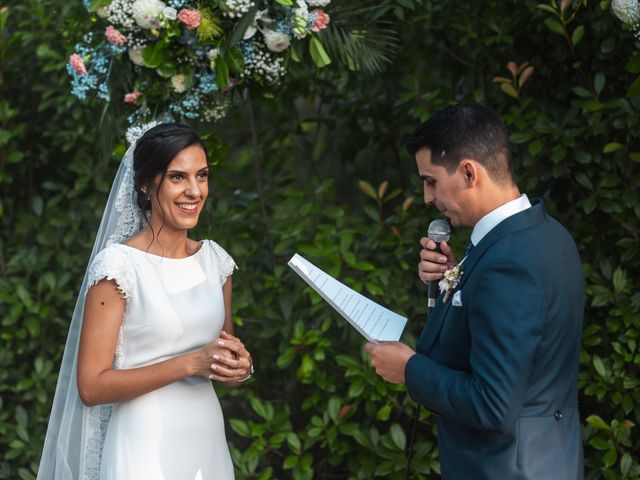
{"x": 450, "y": 280}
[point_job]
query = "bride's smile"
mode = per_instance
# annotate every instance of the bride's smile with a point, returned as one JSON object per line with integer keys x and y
{"x": 181, "y": 191}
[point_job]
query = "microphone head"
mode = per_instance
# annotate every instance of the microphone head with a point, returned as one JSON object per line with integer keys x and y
{"x": 439, "y": 231}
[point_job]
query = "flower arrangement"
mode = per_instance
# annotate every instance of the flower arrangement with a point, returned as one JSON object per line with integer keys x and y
{"x": 185, "y": 56}
{"x": 628, "y": 11}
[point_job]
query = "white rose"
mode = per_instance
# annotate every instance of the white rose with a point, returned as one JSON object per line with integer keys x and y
{"x": 170, "y": 13}
{"x": 213, "y": 54}
{"x": 318, "y": 3}
{"x": 628, "y": 11}
{"x": 276, "y": 41}
{"x": 135, "y": 55}
{"x": 146, "y": 13}
{"x": 102, "y": 12}
{"x": 301, "y": 9}
{"x": 179, "y": 83}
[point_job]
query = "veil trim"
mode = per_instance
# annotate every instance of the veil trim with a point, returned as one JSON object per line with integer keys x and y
{"x": 75, "y": 435}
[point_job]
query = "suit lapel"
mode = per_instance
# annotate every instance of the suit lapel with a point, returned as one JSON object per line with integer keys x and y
{"x": 519, "y": 221}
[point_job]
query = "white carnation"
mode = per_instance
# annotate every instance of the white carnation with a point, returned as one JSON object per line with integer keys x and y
{"x": 213, "y": 54}
{"x": 147, "y": 13}
{"x": 170, "y": 13}
{"x": 135, "y": 55}
{"x": 318, "y": 3}
{"x": 628, "y": 11}
{"x": 179, "y": 83}
{"x": 276, "y": 41}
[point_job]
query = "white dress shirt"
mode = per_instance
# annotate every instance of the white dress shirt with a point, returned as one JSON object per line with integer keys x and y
{"x": 494, "y": 217}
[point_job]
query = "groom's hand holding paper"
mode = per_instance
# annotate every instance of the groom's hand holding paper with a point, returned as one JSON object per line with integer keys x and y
{"x": 375, "y": 322}
{"x": 389, "y": 359}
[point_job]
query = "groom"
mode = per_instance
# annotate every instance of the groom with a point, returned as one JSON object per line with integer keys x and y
{"x": 498, "y": 358}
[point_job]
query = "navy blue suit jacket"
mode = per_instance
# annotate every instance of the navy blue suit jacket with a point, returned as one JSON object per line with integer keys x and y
{"x": 501, "y": 369}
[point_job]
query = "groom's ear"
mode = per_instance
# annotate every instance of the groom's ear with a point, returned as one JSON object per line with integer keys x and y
{"x": 469, "y": 170}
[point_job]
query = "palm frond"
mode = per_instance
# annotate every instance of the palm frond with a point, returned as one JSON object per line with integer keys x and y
{"x": 359, "y": 37}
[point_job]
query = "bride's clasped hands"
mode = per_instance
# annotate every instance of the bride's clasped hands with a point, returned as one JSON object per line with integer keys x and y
{"x": 224, "y": 360}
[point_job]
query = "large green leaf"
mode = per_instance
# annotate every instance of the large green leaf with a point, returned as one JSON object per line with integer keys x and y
{"x": 634, "y": 89}
{"x": 222, "y": 72}
{"x": 155, "y": 55}
{"x": 318, "y": 53}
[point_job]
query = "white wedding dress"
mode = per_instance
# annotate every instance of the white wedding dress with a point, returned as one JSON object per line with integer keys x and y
{"x": 173, "y": 306}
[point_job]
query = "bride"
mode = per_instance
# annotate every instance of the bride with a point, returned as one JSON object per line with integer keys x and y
{"x": 151, "y": 329}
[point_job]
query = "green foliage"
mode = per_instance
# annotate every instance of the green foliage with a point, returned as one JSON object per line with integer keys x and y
{"x": 333, "y": 414}
{"x": 322, "y": 171}
{"x": 53, "y": 186}
{"x": 357, "y": 41}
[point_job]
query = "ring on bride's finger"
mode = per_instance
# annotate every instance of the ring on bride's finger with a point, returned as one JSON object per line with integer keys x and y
{"x": 248, "y": 376}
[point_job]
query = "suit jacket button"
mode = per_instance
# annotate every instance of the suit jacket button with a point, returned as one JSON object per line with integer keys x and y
{"x": 557, "y": 415}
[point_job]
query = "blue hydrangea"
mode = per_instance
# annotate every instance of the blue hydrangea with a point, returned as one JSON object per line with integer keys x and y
{"x": 100, "y": 62}
{"x": 311, "y": 18}
{"x": 81, "y": 84}
{"x": 178, "y": 3}
{"x": 98, "y": 68}
{"x": 284, "y": 26}
{"x": 191, "y": 106}
{"x": 116, "y": 50}
{"x": 103, "y": 92}
{"x": 247, "y": 49}
{"x": 207, "y": 83}
{"x": 83, "y": 49}
{"x": 188, "y": 108}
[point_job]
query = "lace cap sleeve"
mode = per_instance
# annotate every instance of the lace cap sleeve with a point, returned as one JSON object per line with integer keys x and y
{"x": 113, "y": 263}
{"x": 226, "y": 264}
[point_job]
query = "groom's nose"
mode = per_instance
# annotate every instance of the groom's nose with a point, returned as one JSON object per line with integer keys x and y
{"x": 429, "y": 197}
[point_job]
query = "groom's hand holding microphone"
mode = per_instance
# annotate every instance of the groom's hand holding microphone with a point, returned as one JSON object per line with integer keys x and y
{"x": 433, "y": 263}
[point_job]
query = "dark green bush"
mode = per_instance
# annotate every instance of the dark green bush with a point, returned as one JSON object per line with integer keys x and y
{"x": 290, "y": 183}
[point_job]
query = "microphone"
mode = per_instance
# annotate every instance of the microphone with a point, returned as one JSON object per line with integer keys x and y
{"x": 439, "y": 231}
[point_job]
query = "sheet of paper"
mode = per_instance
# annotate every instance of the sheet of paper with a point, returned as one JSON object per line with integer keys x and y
{"x": 372, "y": 320}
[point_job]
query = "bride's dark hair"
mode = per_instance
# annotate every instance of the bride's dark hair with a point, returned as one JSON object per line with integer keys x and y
{"x": 154, "y": 151}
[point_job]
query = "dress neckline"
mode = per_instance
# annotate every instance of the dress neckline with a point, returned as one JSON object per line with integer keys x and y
{"x": 193, "y": 255}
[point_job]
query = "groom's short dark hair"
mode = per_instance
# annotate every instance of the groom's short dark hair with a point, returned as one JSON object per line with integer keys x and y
{"x": 466, "y": 130}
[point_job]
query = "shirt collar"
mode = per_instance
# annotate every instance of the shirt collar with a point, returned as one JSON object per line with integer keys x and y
{"x": 494, "y": 217}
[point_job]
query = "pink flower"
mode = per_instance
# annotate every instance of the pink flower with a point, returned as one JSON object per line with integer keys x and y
{"x": 77, "y": 64}
{"x": 114, "y": 37}
{"x": 320, "y": 20}
{"x": 132, "y": 97}
{"x": 191, "y": 18}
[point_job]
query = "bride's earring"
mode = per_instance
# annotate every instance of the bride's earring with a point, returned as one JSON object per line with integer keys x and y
{"x": 147, "y": 196}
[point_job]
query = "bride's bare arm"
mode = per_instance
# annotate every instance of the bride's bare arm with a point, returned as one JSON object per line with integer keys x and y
{"x": 98, "y": 382}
